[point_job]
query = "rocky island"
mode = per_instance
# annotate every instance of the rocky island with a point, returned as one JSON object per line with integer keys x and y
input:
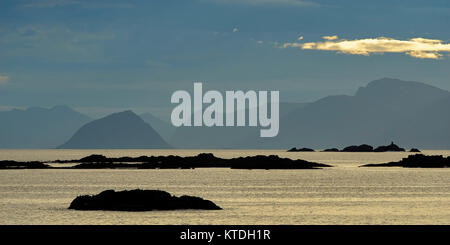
{"x": 140, "y": 200}
{"x": 417, "y": 161}
{"x": 203, "y": 160}
{"x": 391, "y": 147}
{"x": 8, "y": 164}
{"x": 331, "y": 150}
{"x": 300, "y": 150}
{"x": 361, "y": 148}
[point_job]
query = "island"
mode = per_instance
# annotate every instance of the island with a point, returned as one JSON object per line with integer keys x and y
{"x": 202, "y": 160}
{"x": 391, "y": 147}
{"x": 140, "y": 200}
{"x": 300, "y": 149}
{"x": 417, "y": 161}
{"x": 331, "y": 150}
{"x": 8, "y": 164}
{"x": 361, "y": 148}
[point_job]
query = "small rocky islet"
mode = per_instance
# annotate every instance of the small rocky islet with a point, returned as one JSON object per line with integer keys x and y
{"x": 417, "y": 161}
{"x": 301, "y": 150}
{"x": 360, "y": 148}
{"x": 9, "y": 164}
{"x": 140, "y": 200}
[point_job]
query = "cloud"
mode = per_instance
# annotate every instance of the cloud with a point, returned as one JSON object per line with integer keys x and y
{"x": 235, "y": 29}
{"x": 296, "y": 3}
{"x": 329, "y": 38}
{"x": 300, "y": 38}
{"x": 3, "y": 79}
{"x": 421, "y": 48}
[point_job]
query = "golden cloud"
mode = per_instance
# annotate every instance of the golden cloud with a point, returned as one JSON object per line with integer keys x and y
{"x": 416, "y": 47}
{"x": 329, "y": 38}
{"x": 3, "y": 79}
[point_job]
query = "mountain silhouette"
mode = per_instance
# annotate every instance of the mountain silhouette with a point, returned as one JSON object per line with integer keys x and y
{"x": 413, "y": 114}
{"x": 122, "y": 130}
{"x": 223, "y": 137}
{"x": 38, "y": 127}
{"x": 165, "y": 129}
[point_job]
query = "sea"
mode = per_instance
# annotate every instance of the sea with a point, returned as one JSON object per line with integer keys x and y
{"x": 345, "y": 194}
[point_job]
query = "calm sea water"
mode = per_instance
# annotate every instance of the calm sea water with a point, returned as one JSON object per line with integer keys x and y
{"x": 345, "y": 194}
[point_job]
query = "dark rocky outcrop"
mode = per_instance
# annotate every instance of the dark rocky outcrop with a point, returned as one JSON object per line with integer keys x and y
{"x": 368, "y": 148}
{"x": 414, "y": 150}
{"x": 331, "y": 150}
{"x": 272, "y": 162}
{"x": 300, "y": 149}
{"x": 417, "y": 161}
{"x": 106, "y": 165}
{"x": 7, "y": 164}
{"x": 94, "y": 158}
{"x": 203, "y": 160}
{"x": 140, "y": 200}
{"x": 360, "y": 148}
{"x": 391, "y": 147}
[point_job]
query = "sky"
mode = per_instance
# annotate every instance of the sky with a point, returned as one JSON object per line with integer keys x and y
{"x": 102, "y": 56}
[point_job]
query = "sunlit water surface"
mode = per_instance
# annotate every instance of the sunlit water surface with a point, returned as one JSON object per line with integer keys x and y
{"x": 344, "y": 194}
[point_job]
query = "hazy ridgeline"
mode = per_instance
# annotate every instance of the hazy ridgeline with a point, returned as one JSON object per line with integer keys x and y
{"x": 411, "y": 114}
{"x": 38, "y": 127}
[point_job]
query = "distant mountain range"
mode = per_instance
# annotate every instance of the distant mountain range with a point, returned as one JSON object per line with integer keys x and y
{"x": 223, "y": 137}
{"x": 122, "y": 130}
{"x": 412, "y": 114}
{"x": 165, "y": 129}
{"x": 38, "y": 127}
